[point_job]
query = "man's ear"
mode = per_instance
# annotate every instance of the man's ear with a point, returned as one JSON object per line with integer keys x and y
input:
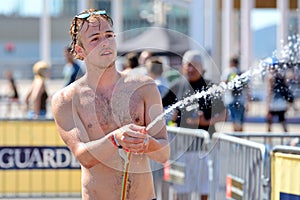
{"x": 79, "y": 52}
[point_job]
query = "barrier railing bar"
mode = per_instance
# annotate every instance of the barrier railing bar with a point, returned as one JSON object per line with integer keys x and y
{"x": 254, "y": 135}
{"x": 286, "y": 149}
{"x": 191, "y": 132}
{"x": 234, "y": 139}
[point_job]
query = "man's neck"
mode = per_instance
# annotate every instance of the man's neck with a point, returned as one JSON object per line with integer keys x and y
{"x": 105, "y": 78}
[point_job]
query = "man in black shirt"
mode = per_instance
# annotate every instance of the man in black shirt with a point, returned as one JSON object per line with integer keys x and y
{"x": 203, "y": 113}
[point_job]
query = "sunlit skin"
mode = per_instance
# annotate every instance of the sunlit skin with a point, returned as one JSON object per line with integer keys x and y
{"x": 106, "y": 102}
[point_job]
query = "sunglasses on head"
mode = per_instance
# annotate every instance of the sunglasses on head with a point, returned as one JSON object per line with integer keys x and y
{"x": 84, "y": 16}
{"x": 88, "y": 14}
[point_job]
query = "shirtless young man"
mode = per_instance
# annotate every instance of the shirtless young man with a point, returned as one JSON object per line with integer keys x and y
{"x": 106, "y": 108}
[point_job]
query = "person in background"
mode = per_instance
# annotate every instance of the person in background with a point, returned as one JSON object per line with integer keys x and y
{"x": 155, "y": 70}
{"x": 276, "y": 99}
{"x": 131, "y": 62}
{"x": 209, "y": 111}
{"x": 292, "y": 82}
{"x": 202, "y": 113}
{"x": 11, "y": 92}
{"x": 71, "y": 70}
{"x": 172, "y": 75}
{"x": 143, "y": 57}
{"x": 103, "y": 117}
{"x": 36, "y": 99}
{"x": 236, "y": 98}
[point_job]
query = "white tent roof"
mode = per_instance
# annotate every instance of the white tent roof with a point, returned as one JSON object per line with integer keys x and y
{"x": 156, "y": 39}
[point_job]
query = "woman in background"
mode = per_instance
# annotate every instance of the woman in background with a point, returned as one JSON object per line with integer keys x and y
{"x": 11, "y": 93}
{"x": 36, "y": 99}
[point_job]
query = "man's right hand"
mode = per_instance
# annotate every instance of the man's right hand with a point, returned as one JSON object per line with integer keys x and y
{"x": 132, "y": 137}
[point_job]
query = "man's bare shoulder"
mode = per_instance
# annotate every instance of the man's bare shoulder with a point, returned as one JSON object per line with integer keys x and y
{"x": 66, "y": 96}
{"x": 137, "y": 78}
{"x": 63, "y": 95}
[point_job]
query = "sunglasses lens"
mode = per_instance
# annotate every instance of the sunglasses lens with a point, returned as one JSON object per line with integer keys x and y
{"x": 100, "y": 12}
{"x": 86, "y": 15}
{"x": 83, "y": 15}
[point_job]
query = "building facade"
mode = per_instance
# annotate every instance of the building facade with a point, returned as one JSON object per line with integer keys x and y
{"x": 222, "y": 28}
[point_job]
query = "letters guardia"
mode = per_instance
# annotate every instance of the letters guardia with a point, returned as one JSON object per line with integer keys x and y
{"x": 26, "y": 157}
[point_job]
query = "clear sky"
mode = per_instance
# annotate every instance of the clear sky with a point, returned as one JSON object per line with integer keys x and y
{"x": 264, "y": 17}
{"x": 8, "y": 6}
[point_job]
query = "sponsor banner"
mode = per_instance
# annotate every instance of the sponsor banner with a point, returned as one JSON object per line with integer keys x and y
{"x": 34, "y": 161}
{"x": 284, "y": 196}
{"x": 285, "y": 176}
{"x": 37, "y": 157}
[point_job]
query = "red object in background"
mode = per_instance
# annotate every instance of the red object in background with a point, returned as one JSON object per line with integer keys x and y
{"x": 167, "y": 171}
{"x": 228, "y": 187}
{"x": 9, "y": 47}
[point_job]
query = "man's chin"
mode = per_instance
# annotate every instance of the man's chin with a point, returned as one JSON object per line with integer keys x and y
{"x": 108, "y": 65}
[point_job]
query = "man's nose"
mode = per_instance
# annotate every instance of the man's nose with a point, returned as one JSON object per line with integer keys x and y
{"x": 105, "y": 42}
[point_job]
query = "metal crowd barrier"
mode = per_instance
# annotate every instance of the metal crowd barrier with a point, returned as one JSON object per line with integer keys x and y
{"x": 270, "y": 139}
{"x": 185, "y": 144}
{"x": 285, "y": 173}
{"x": 237, "y": 169}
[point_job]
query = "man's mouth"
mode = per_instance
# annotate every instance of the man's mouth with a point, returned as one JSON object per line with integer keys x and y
{"x": 105, "y": 53}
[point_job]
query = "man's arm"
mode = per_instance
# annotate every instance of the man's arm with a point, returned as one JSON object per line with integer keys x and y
{"x": 158, "y": 146}
{"x": 73, "y": 133}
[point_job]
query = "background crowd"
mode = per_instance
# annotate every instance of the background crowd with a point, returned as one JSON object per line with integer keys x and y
{"x": 237, "y": 101}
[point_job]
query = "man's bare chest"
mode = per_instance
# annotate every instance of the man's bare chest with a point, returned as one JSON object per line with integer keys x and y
{"x": 108, "y": 111}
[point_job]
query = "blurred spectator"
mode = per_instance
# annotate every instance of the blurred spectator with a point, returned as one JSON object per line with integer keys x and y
{"x": 155, "y": 69}
{"x": 236, "y": 98}
{"x": 292, "y": 83}
{"x": 172, "y": 75}
{"x": 210, "y": 111}
{"x": 131, "y": 62}
{"x": 144, "y": 56}
{"x": 36, "y": 99}
{"x": 11, "y": 92}
{"x": 202, "y": 113}
{"x": 72, "y": 70}
{"x": 276, "y": 93}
